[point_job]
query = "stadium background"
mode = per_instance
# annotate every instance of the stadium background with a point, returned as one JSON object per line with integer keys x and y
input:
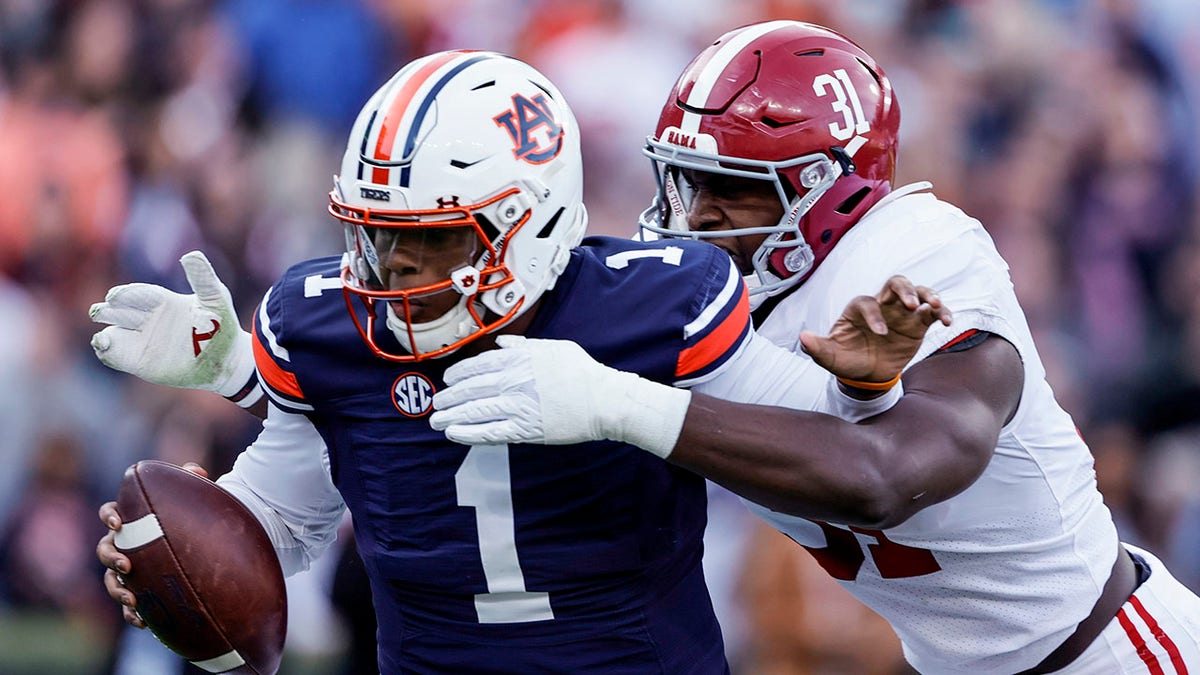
{"x": 132, "y": 131}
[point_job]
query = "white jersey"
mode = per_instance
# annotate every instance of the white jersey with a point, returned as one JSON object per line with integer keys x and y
{"x": 993, "y": 579}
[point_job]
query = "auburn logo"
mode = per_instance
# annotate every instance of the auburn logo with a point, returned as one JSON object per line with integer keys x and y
{"x": 537, "y": 137}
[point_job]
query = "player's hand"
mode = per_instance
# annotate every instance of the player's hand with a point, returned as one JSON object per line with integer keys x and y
{"x": 552, "y": 392}
{"x": 876, "y": 337}
{"x": 187, "y": 341}
{"x": 117, "y": 564}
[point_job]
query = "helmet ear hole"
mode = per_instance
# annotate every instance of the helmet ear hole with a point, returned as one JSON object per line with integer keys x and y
{"x": 852, "y": 202}
{"x": 548, "y": 228}
{"x": 489, "y": 230}
{"x": 826, "y": 236}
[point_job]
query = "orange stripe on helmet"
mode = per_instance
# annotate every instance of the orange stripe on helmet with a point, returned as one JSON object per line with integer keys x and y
{"x": 277, "y": 378}
{"x": 717, "y": 343}
{"x": 395, "y": 112}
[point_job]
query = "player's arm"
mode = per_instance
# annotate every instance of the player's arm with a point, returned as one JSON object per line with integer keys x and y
{"x": 928, "y": 447}
{"x": 189, "y": 341}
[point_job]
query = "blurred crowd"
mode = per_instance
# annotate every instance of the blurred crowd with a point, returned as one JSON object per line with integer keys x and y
{"x": 133, "y": 131}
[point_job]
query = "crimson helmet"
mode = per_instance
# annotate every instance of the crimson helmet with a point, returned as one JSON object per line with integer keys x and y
{"x": 791, "y": 103}
{"x": 469, "y": 162}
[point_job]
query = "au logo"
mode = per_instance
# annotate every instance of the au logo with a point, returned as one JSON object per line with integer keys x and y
{"x": 412, "y": 393}
{"x": 537, "y": 137}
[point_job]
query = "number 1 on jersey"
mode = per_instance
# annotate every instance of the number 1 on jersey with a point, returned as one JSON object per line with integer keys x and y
{"x": 483, "y": 482}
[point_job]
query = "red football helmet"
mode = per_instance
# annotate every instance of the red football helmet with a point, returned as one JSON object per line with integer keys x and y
{"x": 791, "y": 103}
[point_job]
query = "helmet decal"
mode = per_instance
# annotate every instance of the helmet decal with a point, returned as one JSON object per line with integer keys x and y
{"x": 524, "y": 122}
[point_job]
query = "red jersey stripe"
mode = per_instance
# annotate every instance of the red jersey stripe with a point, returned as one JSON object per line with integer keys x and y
{"x": 1162, "y": 638}
{"x": 717, "y": 343}
{"x": 962, "y": 336}
{"x": 1143, "y": 651}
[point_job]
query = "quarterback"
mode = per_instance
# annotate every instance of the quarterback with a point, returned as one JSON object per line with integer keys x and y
{"x": 460, "y": 198}
{"x": 967, "y": 514}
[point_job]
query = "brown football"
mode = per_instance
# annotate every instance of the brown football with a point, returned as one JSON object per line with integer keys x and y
{"x": 207, "y": 580}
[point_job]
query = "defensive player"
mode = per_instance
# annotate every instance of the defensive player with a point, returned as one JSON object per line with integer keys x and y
{"x": 460, "y": 198}
{"x": 967, "y": 514}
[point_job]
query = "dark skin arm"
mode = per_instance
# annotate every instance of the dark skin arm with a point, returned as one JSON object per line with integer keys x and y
{"x": 933, "y": 444}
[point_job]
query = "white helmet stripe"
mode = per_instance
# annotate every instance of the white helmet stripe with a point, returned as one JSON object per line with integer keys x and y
{"x": 711, "y": 73}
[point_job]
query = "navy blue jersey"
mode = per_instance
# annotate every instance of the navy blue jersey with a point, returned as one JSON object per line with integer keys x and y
{"x": 520, "y": 547}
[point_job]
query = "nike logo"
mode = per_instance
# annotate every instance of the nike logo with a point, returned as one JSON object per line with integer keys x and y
{"x": 198, "y": 337}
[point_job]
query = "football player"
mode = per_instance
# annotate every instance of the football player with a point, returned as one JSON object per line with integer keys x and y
{"x": 967, "y": 514}
{"x": 460, "y": 198}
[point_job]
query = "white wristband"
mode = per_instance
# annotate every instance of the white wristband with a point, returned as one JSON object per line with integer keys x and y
{"x": 648, "y": 414}
{"x": 855, "y": 410}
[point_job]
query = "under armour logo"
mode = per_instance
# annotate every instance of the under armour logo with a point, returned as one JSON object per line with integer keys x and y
{"x": 198, "y": 337}
{"x": 527, "y": 118}
{"x": 447, "y": 202}
{"x": 467, "y": 281}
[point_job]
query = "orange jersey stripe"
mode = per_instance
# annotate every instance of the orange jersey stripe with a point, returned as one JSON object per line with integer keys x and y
{"x": 395, "y": 113}
{"x": 275, "y": 377}
{"x": 717, "y": 342}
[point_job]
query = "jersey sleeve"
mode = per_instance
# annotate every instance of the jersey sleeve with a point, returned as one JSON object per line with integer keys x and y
{"x": 721, "y": 325}
{"x": 973, "y": 281}
{"x": 283, "y": 478}
{"x": 271, "y": 357}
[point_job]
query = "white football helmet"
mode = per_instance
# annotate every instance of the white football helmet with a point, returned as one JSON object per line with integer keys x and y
{"x": 461, "y": 187}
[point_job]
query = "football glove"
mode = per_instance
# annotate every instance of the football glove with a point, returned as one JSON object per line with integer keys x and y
{"x": 187, "y": 341}
{"x": 553, "y": 392}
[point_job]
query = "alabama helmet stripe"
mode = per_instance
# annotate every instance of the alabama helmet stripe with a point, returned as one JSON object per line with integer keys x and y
{"x": 402, "y": 102}
{"x": 711, "y": 71}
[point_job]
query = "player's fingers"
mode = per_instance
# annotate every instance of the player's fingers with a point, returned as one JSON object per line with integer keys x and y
{"x": 109, "y": 516}
{"x": 928, "y": 295}
{"x": 196, "y": 469}
{"x": 496, "y": 431}
{"x": 473, "y": 411}
{"x": 132, "y": 618}
{"x": 117, "y": 591}
{"x": 106, "y": 345}
{"x": 109, "y": 556}
{"x": 931, "y": 298}
{"x": 137, "y": 296}
{"x": 489, "y": 361}
{"x": 202, "y": 278}
{"x": 472, "y": 388}
{"x": 899, "y": 288}
{"x": 865, "y": 310}
{"x": 117, "y": 315}
{"x": 821, "y": 349}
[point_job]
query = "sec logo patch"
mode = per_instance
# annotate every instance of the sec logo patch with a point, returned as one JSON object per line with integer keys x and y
{"x": 412, "y": 394}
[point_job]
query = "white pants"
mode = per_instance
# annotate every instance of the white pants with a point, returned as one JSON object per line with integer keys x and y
{"x": 1157, "y": 630}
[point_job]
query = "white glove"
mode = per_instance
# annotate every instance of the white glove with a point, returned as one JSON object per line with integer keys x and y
{"x": 186, "y": 341}
{"x": 552, "y": 392}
